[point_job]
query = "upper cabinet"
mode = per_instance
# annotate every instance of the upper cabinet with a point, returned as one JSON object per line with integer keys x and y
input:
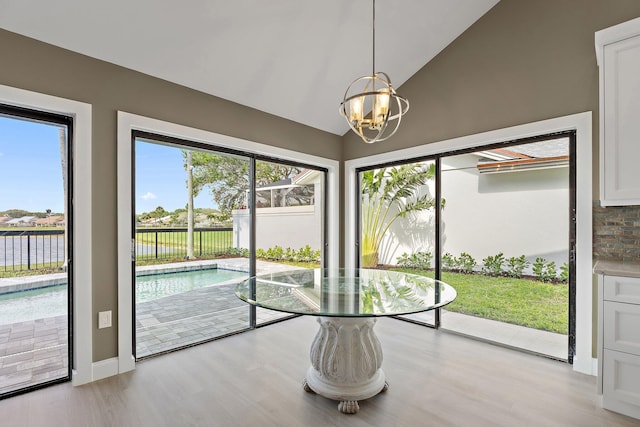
{"x": 618, "y": 55}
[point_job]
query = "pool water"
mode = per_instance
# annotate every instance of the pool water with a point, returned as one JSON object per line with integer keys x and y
{"x": 35, "y": 304}
{"x": 51, "y": 301}
{"x": 149, "y": 288}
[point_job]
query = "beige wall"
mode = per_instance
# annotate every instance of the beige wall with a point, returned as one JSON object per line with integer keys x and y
{"x": 32, "y": 65}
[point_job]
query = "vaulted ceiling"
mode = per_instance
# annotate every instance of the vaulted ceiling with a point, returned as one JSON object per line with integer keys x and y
{"x": 290, "y": 58}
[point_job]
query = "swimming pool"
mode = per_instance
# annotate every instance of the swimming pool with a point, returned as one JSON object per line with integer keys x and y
{"x": 51, "y": 301}
{"x": 34, "y": 304}
{"x": 154, "y": 286}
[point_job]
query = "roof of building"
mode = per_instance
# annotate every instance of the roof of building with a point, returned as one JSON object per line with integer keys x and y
{"x": 537, "y": 155}
{"x": 21, "y": 220}
{"x": 54, "y": 219}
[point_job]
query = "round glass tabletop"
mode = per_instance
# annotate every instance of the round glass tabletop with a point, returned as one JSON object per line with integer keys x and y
{"x": 345, "y": 292}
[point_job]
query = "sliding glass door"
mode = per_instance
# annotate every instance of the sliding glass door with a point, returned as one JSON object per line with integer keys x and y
{"x": 35, "y": 249}
{"x": 207, "y": 218}
{"x": 497, "y": 223}
{"x": 189, "y": 257}
{"x": 506, "y": 244}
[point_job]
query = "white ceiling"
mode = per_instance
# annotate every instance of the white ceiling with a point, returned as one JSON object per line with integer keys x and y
{"x": 290, "y": 58}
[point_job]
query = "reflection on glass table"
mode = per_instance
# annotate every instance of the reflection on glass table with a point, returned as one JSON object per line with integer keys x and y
{"x": 346, "y": 356}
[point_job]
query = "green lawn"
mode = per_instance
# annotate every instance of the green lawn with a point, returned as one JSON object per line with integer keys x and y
{"x": 523, "y": 302}
{"x": 36, "y": 270}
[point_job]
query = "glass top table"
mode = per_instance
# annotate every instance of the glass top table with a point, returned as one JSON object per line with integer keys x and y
{"x": 346, "y": 355}
{"x": 345, "y": 293}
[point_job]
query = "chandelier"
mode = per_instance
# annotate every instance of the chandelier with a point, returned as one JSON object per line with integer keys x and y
{"x": 371, "y": 105}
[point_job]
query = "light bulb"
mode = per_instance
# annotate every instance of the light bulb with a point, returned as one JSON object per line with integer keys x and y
{"x": 356, "y": 106}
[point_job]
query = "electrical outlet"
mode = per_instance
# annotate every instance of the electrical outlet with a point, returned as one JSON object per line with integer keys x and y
{"x": 104, "y": 319}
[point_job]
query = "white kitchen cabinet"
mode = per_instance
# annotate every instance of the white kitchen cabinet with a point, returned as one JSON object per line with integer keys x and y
{"x": 618, "y": 54}
{"x": 619, "y": 343}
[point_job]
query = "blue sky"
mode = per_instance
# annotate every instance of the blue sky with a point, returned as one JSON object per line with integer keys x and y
{"x": 161, "y": 179}
{"x": 31, "y": 171}
{"x": 30, "y": 168}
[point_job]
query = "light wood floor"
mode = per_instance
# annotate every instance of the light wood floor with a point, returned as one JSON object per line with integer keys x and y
{"x": 254, "y": 379}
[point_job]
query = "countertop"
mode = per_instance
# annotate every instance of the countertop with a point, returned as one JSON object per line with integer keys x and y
{"x": 614, "y": 267}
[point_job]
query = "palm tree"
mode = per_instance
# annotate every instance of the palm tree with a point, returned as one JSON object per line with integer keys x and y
{"x": 388, "y": 194}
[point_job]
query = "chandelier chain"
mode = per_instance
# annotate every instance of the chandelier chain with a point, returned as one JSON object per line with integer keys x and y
{"x": 373, "y": 63}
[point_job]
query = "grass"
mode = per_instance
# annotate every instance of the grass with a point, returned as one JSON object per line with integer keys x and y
{"x": 36, "y": 270}
{"x": 523, "y": 302}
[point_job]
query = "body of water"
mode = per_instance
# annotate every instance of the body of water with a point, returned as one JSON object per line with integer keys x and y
{"x": 156, "y": 286}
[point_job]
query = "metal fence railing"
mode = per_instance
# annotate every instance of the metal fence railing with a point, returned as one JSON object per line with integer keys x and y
{"x": 45, "y": 249}
{"x": 171, "y": 243}
{"x": 31, "y": 249}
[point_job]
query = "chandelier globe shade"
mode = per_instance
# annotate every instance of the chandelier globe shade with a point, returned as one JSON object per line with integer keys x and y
{"x": 372, "y": 107}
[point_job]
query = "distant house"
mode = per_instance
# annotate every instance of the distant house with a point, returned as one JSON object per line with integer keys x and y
{"x": 4, "y": 219}
{"x": 52, "y": 221}
{"x": 22, "y": 221}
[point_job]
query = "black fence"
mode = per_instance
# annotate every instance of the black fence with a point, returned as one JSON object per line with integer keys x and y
{"x": 45, "y": 249}
{"x": 31, "y": 249}
{"x": 171, "y": 243}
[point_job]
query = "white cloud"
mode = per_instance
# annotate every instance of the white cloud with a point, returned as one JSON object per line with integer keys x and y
{"x": 149, "y": 196}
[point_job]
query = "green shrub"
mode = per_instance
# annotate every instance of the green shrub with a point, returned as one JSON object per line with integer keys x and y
{"x": 448, "y": 262}
{"x": 492, "y": 265}
{"x": 465, "y": 263}
{"x": 421, "y": 260}
{"x": 550, "y": 273}
{"x": 543, "y": 270}
{"x": 564, "y": 272}
{"x": 243, "y": 252}
{"x": 307, "y": 254}
{"x": 275, "y": 254}
{"x": 516, "y": 266}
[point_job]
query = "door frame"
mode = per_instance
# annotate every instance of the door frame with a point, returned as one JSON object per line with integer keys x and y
{"x": 211, "y": 148}
{"x": 581, "y": 123}
{"x": 84, "y": 370}
{"x": 127, "y": 123}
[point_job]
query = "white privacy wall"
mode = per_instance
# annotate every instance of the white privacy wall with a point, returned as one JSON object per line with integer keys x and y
{"x": 290, "y": 227}
{"x": 516, "y": 213}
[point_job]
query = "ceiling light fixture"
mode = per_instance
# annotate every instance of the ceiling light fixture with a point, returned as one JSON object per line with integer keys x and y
{"x": 375, "y": 110}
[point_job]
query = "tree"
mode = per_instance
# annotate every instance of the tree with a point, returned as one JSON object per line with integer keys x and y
{"x": 189, "y": 169}
{"x": 62, "y": 143}
{"x": 388, "y": 194}
{"x": 227, "y": 177}
{"x": 158, "y": 212}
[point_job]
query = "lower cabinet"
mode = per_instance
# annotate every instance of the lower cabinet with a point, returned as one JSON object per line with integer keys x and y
{"x": 619, "y": 344}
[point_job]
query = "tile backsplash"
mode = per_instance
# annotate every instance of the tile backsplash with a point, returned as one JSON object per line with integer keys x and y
{"x": 616, "y": 232}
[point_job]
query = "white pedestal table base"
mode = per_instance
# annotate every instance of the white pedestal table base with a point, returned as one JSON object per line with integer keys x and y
{"x": 346, "y": 360}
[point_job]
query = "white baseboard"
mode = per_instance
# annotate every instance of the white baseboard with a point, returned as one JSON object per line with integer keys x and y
{"x": 78, "y": 378}
{"x": 104, "y": 368}
{"x": 586, "y": 366}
